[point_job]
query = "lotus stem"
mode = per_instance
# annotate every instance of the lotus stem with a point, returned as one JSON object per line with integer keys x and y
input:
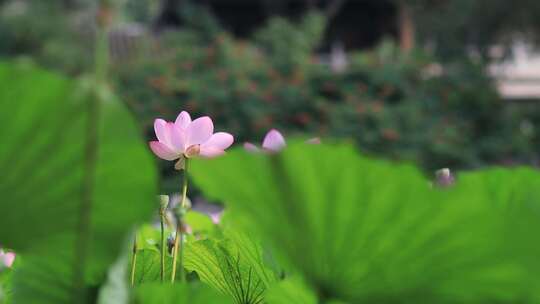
{"x": 179, "y": 239}
{"x": 134, "y": 261}
{"x": 162, "y": 248}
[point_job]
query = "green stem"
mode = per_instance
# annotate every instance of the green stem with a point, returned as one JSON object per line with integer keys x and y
{"x": 134, "y": 261}
{"x": 179, "y": 240}
{"x": 163, "y": 244}
{"x": 181, "y": 253}
{"x": 175, "y": 249}
{"x": 101, "y": 56}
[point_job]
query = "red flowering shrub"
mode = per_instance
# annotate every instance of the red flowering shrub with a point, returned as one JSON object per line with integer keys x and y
{"x": 393, "y": 104}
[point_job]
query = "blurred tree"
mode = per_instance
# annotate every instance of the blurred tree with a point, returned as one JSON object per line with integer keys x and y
{"x": 60, "y": 37}
{"x": 289, "y": 45}
{"x": 143, "y": 11}
{"x": 454, "y": 29}
{"x": 459, "y": 28}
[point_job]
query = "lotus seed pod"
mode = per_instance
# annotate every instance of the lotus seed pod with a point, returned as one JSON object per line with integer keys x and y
{"x": 163, "y": 202}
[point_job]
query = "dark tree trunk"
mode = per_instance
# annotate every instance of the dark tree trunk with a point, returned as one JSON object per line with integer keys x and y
{"x": 405, "y": 26}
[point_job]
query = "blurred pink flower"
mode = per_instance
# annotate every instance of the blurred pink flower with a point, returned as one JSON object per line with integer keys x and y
{"x": 6, "y": 258}
{"x": 314, "y": 141}
{"x": 216, "y": 217}
{"x": 274, "y": 142}
{"x": 186, "y": 138}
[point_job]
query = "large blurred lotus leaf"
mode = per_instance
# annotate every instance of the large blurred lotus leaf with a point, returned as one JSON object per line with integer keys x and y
{"x": 233, "y": 265}
{"x": 148, "y": 267}
{"x": 199, "y": 223}
{"x": 364, "y": 230}
{"x": 72, "y": 186}
{"x": 5, "y": 283}
{"x": 156, "y": 293}
{"x": 290, "y": 291}
{"x": 148, "y": 237}
{"x": 115, "y": 289}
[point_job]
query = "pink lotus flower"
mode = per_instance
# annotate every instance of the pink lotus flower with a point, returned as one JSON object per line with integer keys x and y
{"x": 6, "y": 258}
{"x": 216, "y": 217}
{"x": 185, "y": 138}
{"x": 274, "y": 142}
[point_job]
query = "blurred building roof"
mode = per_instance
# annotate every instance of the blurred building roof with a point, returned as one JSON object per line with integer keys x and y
{"x": 518, "y": 77}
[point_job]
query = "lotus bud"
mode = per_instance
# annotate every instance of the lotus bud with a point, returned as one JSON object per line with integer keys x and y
{"x": 163, "y": 203}
{"x": 444, "y": 178}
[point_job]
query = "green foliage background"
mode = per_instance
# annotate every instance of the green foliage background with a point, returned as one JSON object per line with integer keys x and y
{"x": 276, "y": 79}
{"x": 393, "y": 104}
